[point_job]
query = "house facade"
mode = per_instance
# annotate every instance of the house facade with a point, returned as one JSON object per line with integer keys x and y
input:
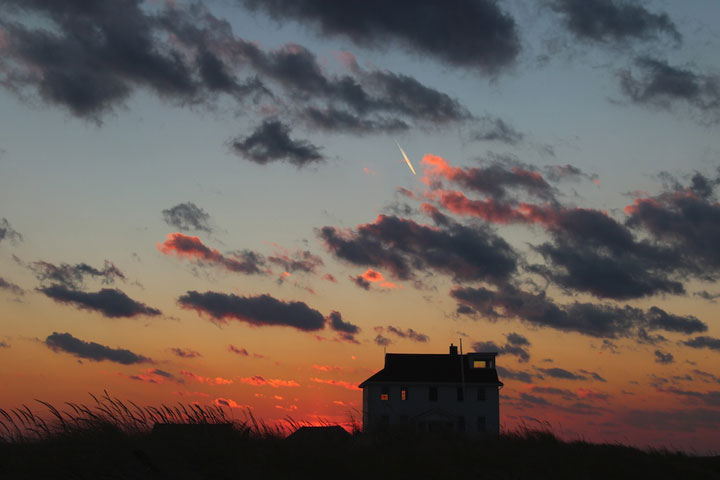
{"x": 434, "y": 392}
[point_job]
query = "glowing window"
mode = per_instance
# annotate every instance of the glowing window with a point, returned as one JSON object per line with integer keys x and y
{"x": 385, "y": 393}
{"x": 403, "y": 394}
{"x": 481, "y": 364}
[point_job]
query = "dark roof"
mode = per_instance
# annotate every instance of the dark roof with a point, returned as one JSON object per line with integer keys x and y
{"x": 432, "y": 368}
{"x": 331, "y": 433}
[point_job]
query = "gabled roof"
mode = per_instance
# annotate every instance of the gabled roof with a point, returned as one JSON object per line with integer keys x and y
{"x": 431, "y": 368}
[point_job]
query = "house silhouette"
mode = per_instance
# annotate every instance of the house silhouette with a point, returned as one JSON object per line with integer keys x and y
{"x": 434, "y": 392}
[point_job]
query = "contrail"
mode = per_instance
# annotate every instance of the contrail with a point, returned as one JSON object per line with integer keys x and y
{"x": 407, "y": 160}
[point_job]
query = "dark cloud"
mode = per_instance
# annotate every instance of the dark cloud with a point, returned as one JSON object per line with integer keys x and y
{"x": 6, "y": 230}
{"x": 520, "y": 375}
{"x": 339, "y": 325}
{"x": 300, "y": 261}
{"x": 516, "y": 350}
{"x": 271, "y": 142}
{"x": 408, "y": 334}
{"x": 11, "y": 287}
{"x": 517, "y": 339}
{"x": 704, "y": 342}
{"x": 261, "y": 310}
{"x": 361, "y": 282}
{"x": 65, "y": 342}
{"x": 333, "y": 119}
{"x": 561, "y": 373}
{"x": 187, "y": 217}
{"x": 185, "y": 352}
{"x": 597, "y": 320}
{"x": 592, "y": 252}
{"x": 73, "y": 276}
{"x": 711, "y": 398}
{"x": 244, "y": 261}
{"x": 659, "y": 319}
{"x": 657, "y": 83}
{"x": 489, "y": 128}
{"x": 557, "y": 173}
{"x": 664, "y": 358}
{"x": 112, "y": 303}
{"x": 615, "y": 21}
{"x": 704, "y": 294}
{"x": 706, "y": 377}
{"x": 406, "y": 248}
{"x": 475, "y": 34}
{"x": 534, "y": 400}
{"x": 382, "y": 341}
{"x": 687, "y": 218}
{"x": 239, "y": 351}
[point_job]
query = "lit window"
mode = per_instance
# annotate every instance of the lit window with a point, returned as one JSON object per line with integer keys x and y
{"x": 385, "y": 393}
{"x": 403, "y": 394}
{"x": 481, "y": 394}
{"x": 433, "y": 394}
{"x": 481, "y": 364}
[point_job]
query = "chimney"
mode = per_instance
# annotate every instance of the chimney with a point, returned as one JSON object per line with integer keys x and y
{"x": 453, "y": 349}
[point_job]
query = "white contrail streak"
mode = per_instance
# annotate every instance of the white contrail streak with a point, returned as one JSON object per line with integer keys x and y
{"x": 407, "y": 160}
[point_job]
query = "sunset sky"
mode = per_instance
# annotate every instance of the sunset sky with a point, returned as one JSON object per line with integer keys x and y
{"x": 206, "y": 202}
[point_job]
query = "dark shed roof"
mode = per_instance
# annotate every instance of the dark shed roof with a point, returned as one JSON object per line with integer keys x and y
{"x": 433, "y": 368}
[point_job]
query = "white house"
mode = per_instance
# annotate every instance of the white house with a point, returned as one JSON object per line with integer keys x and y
{"x": 434, "y": 392}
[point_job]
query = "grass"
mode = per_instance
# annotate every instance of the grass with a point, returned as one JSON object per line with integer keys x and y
{"x": 112, "y": 439}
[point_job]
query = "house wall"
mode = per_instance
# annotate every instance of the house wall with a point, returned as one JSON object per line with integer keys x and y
{"x": 395, "y": 412}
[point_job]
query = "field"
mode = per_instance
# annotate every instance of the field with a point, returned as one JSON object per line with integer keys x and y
{"x": 111, "y": 439}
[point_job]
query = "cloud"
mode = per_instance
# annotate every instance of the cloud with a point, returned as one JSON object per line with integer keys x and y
{"x": 614, "y": 21}
{"x": 73, "y": 276}
{"x": 239, "y": 351}
{"x": 65, "y": 342}
{"x": 187, "y": 217}
{"x": 557, "y": 173}
{"x": 687, "y": 420}
{"x": 300, "y": 261}
{"x": 11, "y": 287}
{"x": 563, "y": 374}
{"x": 489, "y": 128}
{"x": 185, "y": 352}
{"x": 517, "y": 339}
{"x": 381, "y": 340}
{"x": 657, "y": 83}
{"x": 246, "y": 261}
{"x": 663, "y": 358}
{"x": 259, "y": 381}
{"x": 229, "y": 402}
{"x": 408, "y": 334}
{"x": 271, "y": 142}
{"x": 260, "y": 310}
{"x": 372, "y": 277}
{"x": 151, "y": 375}
{"x": 346, "y": 330}
{"x": 659, "y": 319}
{"x": 520, "y": 375}
{"x": 703, "y": 342}
{"x": 406, "y": 248}
{"x": 704, "y": 294}
{"x": 6, "y": 231}
{"x": 518, "y": 350}
{"x": 476, "y": 35}
{"x": 533, "y": 399}
{"x": 206, "y": 380}
{"x": 112, "y": 303}
{"x": 336, "y": 383}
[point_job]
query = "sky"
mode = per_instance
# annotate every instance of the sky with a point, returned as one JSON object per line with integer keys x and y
{"x": 207, "y": 202}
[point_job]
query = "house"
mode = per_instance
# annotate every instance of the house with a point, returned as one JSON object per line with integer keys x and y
{"x": 434, "y": 392}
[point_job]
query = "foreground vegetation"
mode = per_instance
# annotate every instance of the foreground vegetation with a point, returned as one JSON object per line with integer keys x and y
{"x": 111, "y": 439}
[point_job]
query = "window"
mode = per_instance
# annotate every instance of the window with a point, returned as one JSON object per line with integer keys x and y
{"x": 403, "y": 393}
{"x": 461, "y": 424}
{"x": 460, "y": 394}
{"x": 481, "y": 424}
{"x": 385, "y": 393}
{"x": 481, "y": 364}
{"x": 433, "y": 394}
{"x": 481, "y": 394}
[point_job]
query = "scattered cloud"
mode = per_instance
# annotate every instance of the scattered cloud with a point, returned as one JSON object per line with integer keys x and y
{"x": 271, "y": 142}
{"x": 65, "y": 342}
{"x": 260, "y": 310}
{"x": 259, "y": 381}
{"x": 185, "y": 352}
{"x": 11, "y": 287}
{"x": 184, "y": 246}
{"x": 664, "y": 358}
{"x": 206, "y": 380}
{"x": 7, "y": 232}
{"x": 703, "y": 342}
{"x": 112, "y": 303}
{"x": 187, "y": 217}
{"x": 73, "y": 276}
{"x": 336, "y": 383}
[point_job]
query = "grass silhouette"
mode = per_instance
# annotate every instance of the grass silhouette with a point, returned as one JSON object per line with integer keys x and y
{"x": 113, "y": 439}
